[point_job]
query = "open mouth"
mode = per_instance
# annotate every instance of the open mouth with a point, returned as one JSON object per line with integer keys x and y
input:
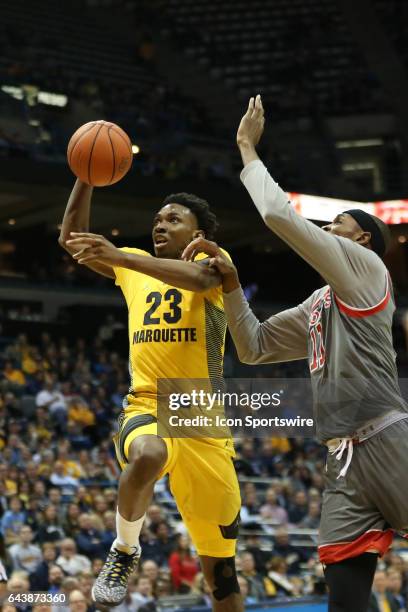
{"x": 160, "y": 240}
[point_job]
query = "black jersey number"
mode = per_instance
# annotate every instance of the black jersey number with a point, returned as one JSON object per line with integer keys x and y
{"x": 174, "y": 297}
{"x": 156, "y": 298}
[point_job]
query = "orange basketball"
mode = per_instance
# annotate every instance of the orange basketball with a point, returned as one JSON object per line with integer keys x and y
{"x": 99, "y": 153}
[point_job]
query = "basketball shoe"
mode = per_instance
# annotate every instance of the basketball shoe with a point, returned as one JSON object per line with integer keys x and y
{"x": 110, "y": 587}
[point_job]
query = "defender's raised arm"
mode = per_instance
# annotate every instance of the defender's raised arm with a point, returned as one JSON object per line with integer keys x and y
{"x": 340, "y": 261}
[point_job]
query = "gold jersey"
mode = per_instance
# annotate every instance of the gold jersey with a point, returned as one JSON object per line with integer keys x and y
{"x": 173, "y": 333}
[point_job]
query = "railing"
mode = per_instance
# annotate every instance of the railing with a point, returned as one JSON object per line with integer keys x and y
{"x": 303, "y": 604}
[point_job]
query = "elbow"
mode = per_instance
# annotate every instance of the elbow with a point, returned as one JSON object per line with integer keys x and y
{"x": 248, "y": 356}
{"x": 255, "y": 353}
{"x": 63, "y": 243}
{"x": 275, "y": 216}
{"x": 269, "y": 218}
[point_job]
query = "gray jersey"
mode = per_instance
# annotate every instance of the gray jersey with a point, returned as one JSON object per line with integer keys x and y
{"x": 343, "y": 329}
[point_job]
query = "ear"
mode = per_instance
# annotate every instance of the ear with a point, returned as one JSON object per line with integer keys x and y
{"x": 364, "y": 238}
{"x": 198, "y": 234}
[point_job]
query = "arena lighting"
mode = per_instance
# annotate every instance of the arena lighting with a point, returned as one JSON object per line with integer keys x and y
{"x": 135, "y": 149}
{"x": 52, "y": 99}
{"x": 115, "y": 232}
{"x": 355, "y": 144}
{"x": 14, "y": 92}
{"x": 392, "y": 212}
{"x": 44, "y": 97}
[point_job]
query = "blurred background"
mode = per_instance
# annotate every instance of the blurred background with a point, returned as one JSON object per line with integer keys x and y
{"x": 176, "y": 75}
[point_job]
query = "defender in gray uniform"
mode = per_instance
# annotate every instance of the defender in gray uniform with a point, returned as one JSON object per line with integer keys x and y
{"x": 344, "y": 330}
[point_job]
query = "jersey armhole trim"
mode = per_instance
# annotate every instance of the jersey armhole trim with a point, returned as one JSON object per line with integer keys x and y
{"x": 352, "y": 311}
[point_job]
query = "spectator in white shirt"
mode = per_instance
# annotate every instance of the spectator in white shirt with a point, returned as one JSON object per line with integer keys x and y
{"x": 53, "y": 401}
{"x": 70, "y": 561}
{"x": 68, "y": 484}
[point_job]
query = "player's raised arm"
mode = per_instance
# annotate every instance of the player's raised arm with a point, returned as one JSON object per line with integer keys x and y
{"x": 282, "y": 337}
{"x": 91, "y": 248}
{"x": 76, "y": 219}
{"x": 341, "y": 262}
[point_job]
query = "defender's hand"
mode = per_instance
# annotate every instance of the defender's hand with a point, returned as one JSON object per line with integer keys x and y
{"x": 94, "y": 247}
{"x": 218, "y": 260}
{"x": 252, "y": 124}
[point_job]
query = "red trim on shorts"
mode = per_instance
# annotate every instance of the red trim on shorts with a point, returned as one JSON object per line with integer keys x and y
{"x": 374, "y": 539}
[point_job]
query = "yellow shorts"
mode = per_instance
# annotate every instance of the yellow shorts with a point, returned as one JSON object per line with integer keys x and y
{"x": 202, "y": 480}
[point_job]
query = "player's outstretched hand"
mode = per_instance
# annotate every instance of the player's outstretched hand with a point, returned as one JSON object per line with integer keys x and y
{"x": 217, "y": 257}
{"x": 94, "y": 247}
{"x": 217, "y": 260}
{"x": 252, "y": 124}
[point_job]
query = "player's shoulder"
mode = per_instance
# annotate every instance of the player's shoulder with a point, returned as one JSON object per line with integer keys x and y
{"x": 203, "y": 256}
{"x": 355, "y": 251}
{"x": 226, "y": 253}
{"x": 135, "y": 251}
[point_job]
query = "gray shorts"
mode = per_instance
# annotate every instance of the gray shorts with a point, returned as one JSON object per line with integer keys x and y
{"x": 362, "y": 510}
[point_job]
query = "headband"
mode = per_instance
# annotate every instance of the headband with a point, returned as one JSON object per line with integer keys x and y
{"x": 367, "y": 223}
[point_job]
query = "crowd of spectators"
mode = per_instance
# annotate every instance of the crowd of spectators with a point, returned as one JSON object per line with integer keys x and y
{"x": 161, "y": 117}
{"x": 156, "y": 114}
{"x": 59, "y": 401}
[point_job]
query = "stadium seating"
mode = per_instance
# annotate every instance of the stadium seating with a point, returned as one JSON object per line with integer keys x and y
{"x": 280, "y": 479}
{"x": 393, "y": 14}
{"x": 298, "y": 54}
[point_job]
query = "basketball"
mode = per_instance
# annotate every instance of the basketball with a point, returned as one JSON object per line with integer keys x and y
{"x": 99, "y": 153}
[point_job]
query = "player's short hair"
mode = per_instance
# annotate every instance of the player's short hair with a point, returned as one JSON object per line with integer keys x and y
{"x": 207, "y": 221}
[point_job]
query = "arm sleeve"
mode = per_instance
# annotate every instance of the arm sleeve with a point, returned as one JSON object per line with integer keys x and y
{"x": 282, "y": 337}
{"x": 356, "y": 274}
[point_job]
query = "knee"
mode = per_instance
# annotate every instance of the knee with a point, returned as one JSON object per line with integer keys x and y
{"x": 222, "y": 578}
{"x": 146, "y": 461}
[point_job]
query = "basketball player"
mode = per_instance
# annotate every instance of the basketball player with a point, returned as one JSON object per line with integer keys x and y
{"x": 175, "y": 333}
{"x": 344, "y": 330}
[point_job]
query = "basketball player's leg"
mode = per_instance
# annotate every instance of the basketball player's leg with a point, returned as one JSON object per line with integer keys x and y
{"x": 350, "y": 583}
{"x": 221, "y": 576}
{"x": 353, "y": 532}
{"x": 144, "y": 458}
{"x": 206, "y": 489}
{"x": 147, "y": 457}
{"x": 216, "y": 547}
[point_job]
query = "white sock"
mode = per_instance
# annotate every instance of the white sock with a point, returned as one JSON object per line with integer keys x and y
{"x": 127, "y": 533}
